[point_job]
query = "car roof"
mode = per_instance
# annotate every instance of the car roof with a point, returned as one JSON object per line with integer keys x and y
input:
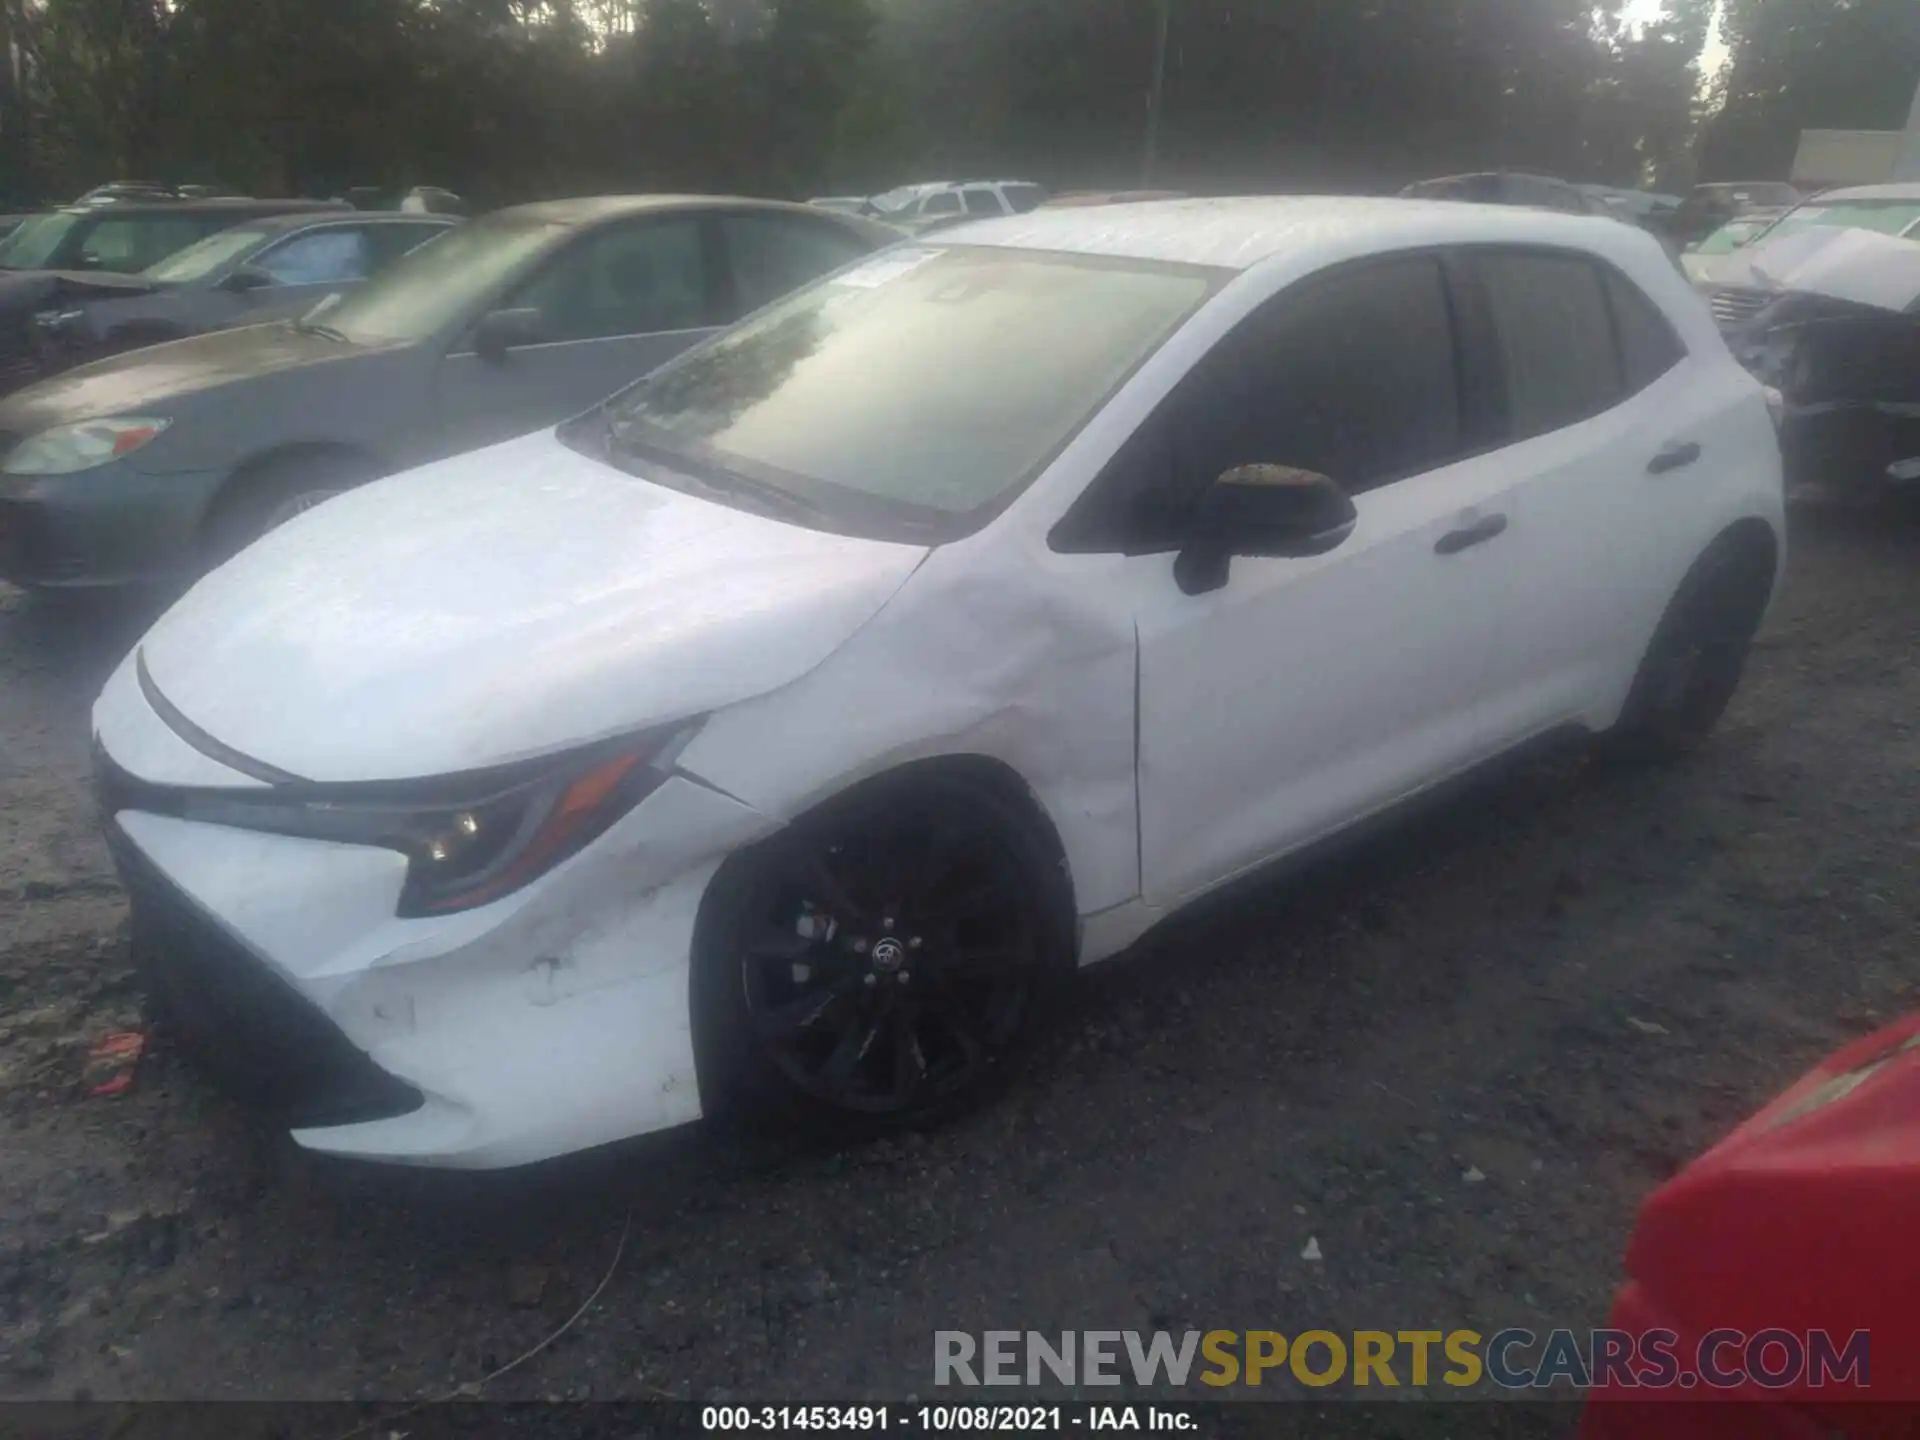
{"x": 300, "y": 219}
{"x": 594, "y": 209}
{"x": 215, "y": 205}
{"x": 1899, "y": 190}
{"x": 1237, "y": 234}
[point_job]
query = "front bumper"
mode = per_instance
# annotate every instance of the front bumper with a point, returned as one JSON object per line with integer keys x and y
{"x": 113, "y": 525}
{"x": 551, "y": 1021}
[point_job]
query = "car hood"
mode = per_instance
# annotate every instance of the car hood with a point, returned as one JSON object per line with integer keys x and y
{"x": 141, "y": 380}
{"x": 514, "y": 602}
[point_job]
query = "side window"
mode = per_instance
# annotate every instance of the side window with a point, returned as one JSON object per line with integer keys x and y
{"x": 134, "y": 243}
{"x": 1648, "y": 346}
{"x": 335, "y": 256}
{"x": 390, "y": 242}
{"x": 1555, "y": 337}
{"x": 1352, "y": 375}
{"x": 981, "y": 201}
{"x": 635, "y": 280}
{"x": 944, "y": 203}
{"x": 1023, "y": 198}
{"x": 773, "y": 254}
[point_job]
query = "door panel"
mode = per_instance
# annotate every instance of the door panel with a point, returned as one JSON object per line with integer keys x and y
{"x": 1600, "y": 539}
{"x": 1308, "y": 693}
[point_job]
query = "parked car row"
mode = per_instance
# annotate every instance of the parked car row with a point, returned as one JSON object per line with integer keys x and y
{"x": 917, "y": 621}
{"x": 152, "y": 464}
{"x": 933, "y": 204}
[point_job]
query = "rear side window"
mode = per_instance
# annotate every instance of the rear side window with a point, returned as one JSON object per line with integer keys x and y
{"x": 982, "y": 201}
{"x": 1556, "y": 339}
{"x": 1023, "y": 197}
{"x": 1648, "y": 346}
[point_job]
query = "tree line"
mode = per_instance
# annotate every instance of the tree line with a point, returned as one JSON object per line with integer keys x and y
{"x": 507, "y": 100}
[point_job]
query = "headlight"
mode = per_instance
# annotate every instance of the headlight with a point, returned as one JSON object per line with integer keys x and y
{"x": 476, "y": 839}
{"x": 66, "y": 449}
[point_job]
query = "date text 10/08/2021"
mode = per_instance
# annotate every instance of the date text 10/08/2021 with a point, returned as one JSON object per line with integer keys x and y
{"x": 996, "y": 1419}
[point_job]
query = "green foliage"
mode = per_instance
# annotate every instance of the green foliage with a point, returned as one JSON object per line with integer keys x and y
{"x": 512, "y": 99}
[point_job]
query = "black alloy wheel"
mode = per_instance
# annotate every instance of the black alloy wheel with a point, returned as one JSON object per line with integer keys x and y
{"x": 885, "y": 964}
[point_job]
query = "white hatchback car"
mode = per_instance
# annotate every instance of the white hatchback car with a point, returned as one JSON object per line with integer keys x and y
{"x": 784, "y": 729}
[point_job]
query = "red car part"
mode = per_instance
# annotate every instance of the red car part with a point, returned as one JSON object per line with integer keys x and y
{"x": 1805, "y": 1220}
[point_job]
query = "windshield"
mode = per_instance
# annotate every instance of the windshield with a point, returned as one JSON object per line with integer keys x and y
{"x": 431, "y": 287}
{"x": 923, "y": 385}
{"x": 36, "y": 242}
{"x": 1889, "y": 217}
{"x": 203, "y": 257}
{"x": 1731, "y": 237}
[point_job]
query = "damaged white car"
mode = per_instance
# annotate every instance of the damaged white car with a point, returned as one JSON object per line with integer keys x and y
{"x": 784, "y": 731}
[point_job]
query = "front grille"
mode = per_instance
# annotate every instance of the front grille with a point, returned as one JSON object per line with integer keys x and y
{"x": 1736, "y": 306}
{"x": 243, "y": 1024}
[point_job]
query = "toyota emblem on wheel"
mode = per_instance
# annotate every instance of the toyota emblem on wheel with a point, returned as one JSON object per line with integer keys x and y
{"x": 888, "y": 955}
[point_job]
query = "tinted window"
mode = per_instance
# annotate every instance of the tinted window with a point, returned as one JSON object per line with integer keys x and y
{"x": 390, "y": 242}
{"x": 981, "y": 201}
{"x": 335, "y": 256}
{"x": 439, "y": 284}
{"x": 1352, "y": 375}
{"x": 635, "y": 280}
{"x": 37, "y": 241}
{"x": 134, "y": 243}
{"x": 1556, "y": 338}
{"x": 772, "y": 254}
{"x": 945, "y": 203}
{"x": 1648, "y": 346}
{"x": 1023, "y": 197}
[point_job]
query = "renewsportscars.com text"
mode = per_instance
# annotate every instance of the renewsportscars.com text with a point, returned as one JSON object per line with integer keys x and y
{"x": 1511, "y": 1359}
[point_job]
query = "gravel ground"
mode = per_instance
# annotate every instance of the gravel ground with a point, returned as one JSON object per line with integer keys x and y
{"x": 1456, "y": 1060}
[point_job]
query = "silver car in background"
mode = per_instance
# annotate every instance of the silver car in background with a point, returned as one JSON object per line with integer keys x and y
{"x": 150, "y": 466}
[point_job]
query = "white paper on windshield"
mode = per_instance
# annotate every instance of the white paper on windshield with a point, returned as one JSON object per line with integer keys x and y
{"x": 885, "y": 268}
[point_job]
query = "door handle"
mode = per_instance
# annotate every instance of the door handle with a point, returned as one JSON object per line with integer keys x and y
{"x": 1478, "y": 533}
{"x": 1674, "y": 457}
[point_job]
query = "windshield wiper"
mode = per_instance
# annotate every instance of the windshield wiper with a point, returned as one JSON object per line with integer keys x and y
{"x": 325, "y": 332}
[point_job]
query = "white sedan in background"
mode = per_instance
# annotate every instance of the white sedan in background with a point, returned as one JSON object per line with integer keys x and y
{"x": 781, "y": 733}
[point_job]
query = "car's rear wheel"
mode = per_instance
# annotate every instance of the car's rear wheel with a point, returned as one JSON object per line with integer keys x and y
{"x": 883, "y": 963}
{"x": 1699, "y": 652}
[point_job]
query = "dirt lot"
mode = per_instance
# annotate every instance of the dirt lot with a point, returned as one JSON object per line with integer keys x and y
{"x": 1457, "y": 1061}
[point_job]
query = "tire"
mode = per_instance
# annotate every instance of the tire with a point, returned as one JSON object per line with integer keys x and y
{"x": 811, "y": 1010}
{"x": 267, "y": 496}
{"x": 1696, "y": 658}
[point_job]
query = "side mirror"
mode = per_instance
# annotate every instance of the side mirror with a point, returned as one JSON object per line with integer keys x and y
{"x": 505, "y": 330}
{"x": 1275, "y": 511}
{"x": 249, "y": 277}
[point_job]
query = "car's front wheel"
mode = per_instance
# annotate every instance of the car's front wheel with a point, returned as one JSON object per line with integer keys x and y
{"x": 884, "y": 962}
